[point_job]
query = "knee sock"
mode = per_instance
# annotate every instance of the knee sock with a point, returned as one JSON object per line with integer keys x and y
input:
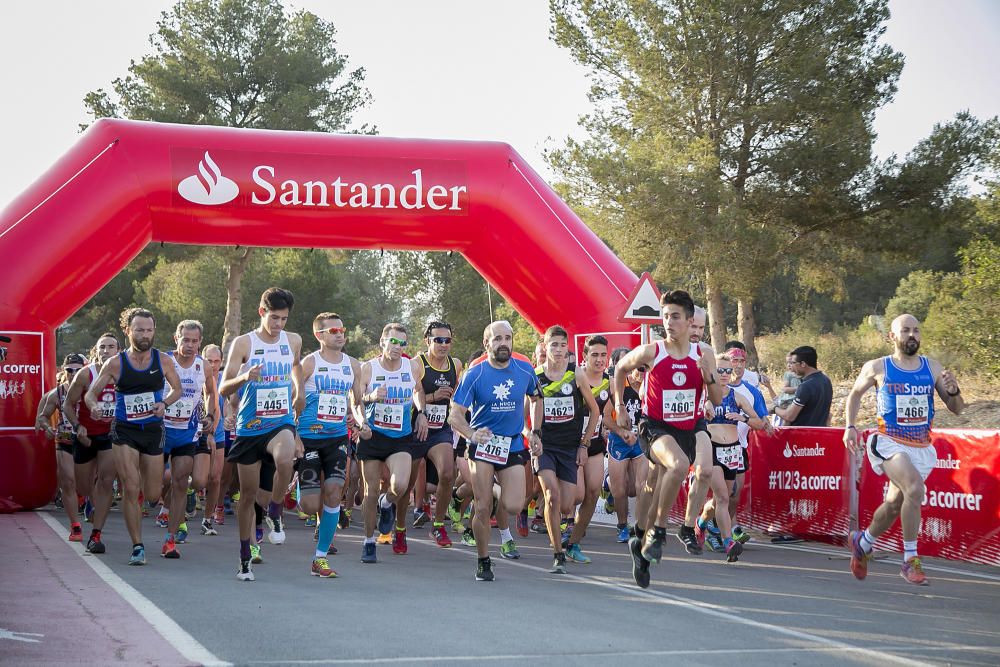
{"x": 258, "y": 514}
{"x": 327, "y": 529}
{"x": 273, "y": 510}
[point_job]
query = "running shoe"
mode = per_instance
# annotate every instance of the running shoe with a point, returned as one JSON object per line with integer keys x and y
{"x": 345, "y": 519}
{"x": 575, "y": 554}
{"x": 227, "y": 506}
{"x": 207, "y": 528}
{"x": 559, "y": 564}
{"x": 138, "y": 556}
{"x": 276, "y": 534}
{"x": 189, "y": 508}
{"x": 169, "y": 549}
{"x": 399, "y": 542}
{"x": 733, "y": 551}
{"x": 740, "y": 535}
{"x": 468, "y": 539}
{"x": 75, "y": 533}
{"x": 640, "y": 566}
{"x": 538, "y": 525}
{"x": 687, "y": 537}
{"x": 509, "y": 550}
{"x": 652, "y": 546}
{"x": 455, "y": 515}
{"x": 245, "y": 573}
{"x": 609, "y": 504}
{"x": 302, "y": 516}
{"x": 321, "y": 568}
{"x": 384, "y": 538}
{"x": 521, "y": 523}
{"x": 623, "y": 535}
{"x": 255, "y": 556}
{"x": 331, "y": 551}
{"x": 714, "y": 541}
{"x": 421, "y": 516}
{"x": 913, "y": 571}
{"x": 163, "y": 519}
{"x": 311, "y": 521}
{"x": 859, "y": 557}
{"x": 182, "y": 533}
{"x": 368, "y": 553}
{"x": 94, "y": 544}
{"x": 220, "y": 515}
{"x": 484, "y": 570}
{"x": 699, "y": 534}
{"x": 259, "y": 535}
{"x": 440, "y": 536}
{"x": 386, "y": 516}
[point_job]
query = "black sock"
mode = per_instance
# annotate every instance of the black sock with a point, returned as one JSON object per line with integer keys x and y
{"x": 258, "y": 512}
{"x": 659, "y": 531}
{"x": 621, "y": 525}
{"x": 138, "y": 544}
{"x": 484, "y": 560}
{"x": 639, "y": 532}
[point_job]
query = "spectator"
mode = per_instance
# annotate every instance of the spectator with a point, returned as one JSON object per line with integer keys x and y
{"x": 752, "y": 378}
{"x": 811, "y": 405}
{"x": 789, "y": 383}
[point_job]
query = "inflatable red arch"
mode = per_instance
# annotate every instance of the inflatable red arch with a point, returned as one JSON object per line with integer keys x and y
{"x": 126, "y": 184}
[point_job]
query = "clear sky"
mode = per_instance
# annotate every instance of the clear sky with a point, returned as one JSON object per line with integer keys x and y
{"x": 486, "y": 70}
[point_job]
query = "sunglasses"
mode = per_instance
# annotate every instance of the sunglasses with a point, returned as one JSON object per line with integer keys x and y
{"x": 441, "y": 340}
{"x": 333, "y": 330}
{"x": 70, "y": 371}
{"x": 397, "y": 341}
{"x": 642, "y": 369}
{"x": 725, "y": 371}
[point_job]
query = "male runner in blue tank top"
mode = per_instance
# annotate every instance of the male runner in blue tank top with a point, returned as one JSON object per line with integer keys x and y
{"x": 215, "y": 442}
{"x": 137, "y": 430}
{"x": 901, "y": 449}
{"x": 497, "y": 392}
{"x": 389, "y": 381}
{"x": 263, "y": 367}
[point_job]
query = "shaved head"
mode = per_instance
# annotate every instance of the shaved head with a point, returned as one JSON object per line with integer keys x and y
{"x": 905, "y": 334}
{"x": 903, "y": 320}
{"x": 697, "y": 329}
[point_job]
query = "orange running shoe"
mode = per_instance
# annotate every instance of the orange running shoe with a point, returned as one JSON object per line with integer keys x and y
{"x": 75, "y": 533}
{"x": 170, "y": 548}
{"x": 913, "y": 572}
{"x": 859, "y": 558}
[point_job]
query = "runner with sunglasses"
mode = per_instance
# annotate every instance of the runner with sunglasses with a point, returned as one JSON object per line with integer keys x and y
{"x": 627, "y": 465}
{"x": 441, "y": 372}
{"x": 391, "y": 396}
{"x": 333, "y": 402}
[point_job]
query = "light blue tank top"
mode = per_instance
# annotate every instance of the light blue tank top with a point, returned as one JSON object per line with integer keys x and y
{"x": 267, "y": 404}
{"x": 906, "y": 403}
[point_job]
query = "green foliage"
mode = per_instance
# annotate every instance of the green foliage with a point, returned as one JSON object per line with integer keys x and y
{"x": 914, "y": 295}
{"x": 841, "y": 352}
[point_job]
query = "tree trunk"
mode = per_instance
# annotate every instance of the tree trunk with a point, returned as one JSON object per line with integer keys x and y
{"x": 238, "y": 261}
{"x": 747, "y": 329}
{"x": 716, "y": 313}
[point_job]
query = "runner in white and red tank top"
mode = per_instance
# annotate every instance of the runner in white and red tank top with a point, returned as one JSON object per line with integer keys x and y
{"x": 672, "y": 432}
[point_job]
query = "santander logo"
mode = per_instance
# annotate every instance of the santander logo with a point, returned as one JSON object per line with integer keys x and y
{"x": 208, "y": 186}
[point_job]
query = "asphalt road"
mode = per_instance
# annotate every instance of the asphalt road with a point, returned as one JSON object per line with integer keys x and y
{"x": 780, "y": 605}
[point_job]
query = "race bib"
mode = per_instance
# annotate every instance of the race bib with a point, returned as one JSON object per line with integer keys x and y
{"x": 272, "y": 402}
{"x": 389, "y": 416}
{"x": 678, "y": 405}
{"x": 912, "y": 410}
{"x": 495, "y": 450}
{"x": 436, "y": 415}
{"x": 179, "y": 414}
{"x": 139, "y": 406}
{"x": 559, "y": 409}
{"x": 730, "y": 457}
{"x": 332, "y": 408}
{"x": 107, "y": 409}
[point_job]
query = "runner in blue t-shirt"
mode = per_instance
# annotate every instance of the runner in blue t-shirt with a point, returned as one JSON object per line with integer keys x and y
{"x": 496, "y": 393}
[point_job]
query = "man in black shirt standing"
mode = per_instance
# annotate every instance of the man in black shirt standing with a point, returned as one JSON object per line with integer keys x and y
{"x": 811, "y": 406}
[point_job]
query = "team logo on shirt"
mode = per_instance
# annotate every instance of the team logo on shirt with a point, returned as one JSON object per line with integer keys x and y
{"x": 604, "y": 394}
{"x": 502, "y": 391}
{"x": 679, "y": 378}
{"x": 345, "y": 370}
{"x": 258, "y": 352}
{"x": 284, "y": 350}
{"x": 254, "y": 423}
{"x": 322, "y": 370}
{"x": 567, "y": 389}
{"x": 405, "y": 377}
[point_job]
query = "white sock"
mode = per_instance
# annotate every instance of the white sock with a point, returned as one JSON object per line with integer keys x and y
{"x": 383, "y": 502}
{"x": 867, "y": 541}
{"x": 370, "y": 540}
{"x": 909, "y": 550}
{"x": 505, "y": 535}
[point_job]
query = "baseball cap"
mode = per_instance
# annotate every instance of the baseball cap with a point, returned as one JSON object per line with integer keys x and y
{"x": 75, "y": 359}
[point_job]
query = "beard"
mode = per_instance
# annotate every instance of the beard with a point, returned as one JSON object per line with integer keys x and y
{"x": 143, "y": 344}
{"x": 501, "y": 354}
{"x": 909, "y": 347}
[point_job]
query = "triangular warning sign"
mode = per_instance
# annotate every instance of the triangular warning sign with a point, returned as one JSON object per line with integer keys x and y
{"x": 643, "y": 306}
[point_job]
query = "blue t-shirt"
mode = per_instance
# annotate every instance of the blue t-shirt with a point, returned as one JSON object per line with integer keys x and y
{"x": 759, "y": 403}
{"x": 495, "y": 397}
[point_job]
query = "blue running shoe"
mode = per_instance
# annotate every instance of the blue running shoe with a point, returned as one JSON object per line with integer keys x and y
{"x": 138, "y": 556}
{"x": 386, "y": 516}
{"x": 623, "y": 535}
{"x": 368, "y": 553}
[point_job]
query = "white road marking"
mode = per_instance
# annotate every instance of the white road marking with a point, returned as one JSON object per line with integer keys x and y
{"x": 175, "y": 635}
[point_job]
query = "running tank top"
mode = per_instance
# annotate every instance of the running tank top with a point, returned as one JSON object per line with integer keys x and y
{"x": 728, "y": 404}
{"x": 673, "y": 388}
{"x": 64, "y": 430}
{"x": 138, "y": 390}
{"x": 602, "y": 394}
{"x": 182, "y": 418}
{"x": 327, "y": 398}
{"x": 633, "y": 405}
{"x": 905, "y": 403}
{"x": 392, "y": 416}
{"x": 434, "y": 378}
{"x": 220, "y": 430}
{"x": 564, "y": 413}
{"x": 267, "y": 403}
{"x": 106, "y": 400}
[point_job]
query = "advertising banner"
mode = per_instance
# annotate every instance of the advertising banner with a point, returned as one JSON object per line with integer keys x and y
{"x": 21, "y": 378}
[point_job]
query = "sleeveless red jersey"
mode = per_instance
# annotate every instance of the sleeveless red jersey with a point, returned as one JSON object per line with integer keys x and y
{"x": 674, "y": 388}
{"x": 105, "y": 401}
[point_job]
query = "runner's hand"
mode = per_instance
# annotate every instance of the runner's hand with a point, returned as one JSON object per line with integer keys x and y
{"x": 623, "y": 418}
{"x": 851, "y": 440}
{"x": 950, "y": 383}
{"x": 365, "y": 432}
{"x": 421, "y": 427}
{"x": 300, "y": 450}
{"x": 159, "y": 408}
{"x": 535, "y": 445}
{"x": 229, "y": 423}
{"x": 253, "y": 373}
{"x": 81, "y": 435}
{"x": 482, "y": 436}
{"x": 95, "y": 414}
{"x": 581, "y": 456}
{"x": 631, "y": 438}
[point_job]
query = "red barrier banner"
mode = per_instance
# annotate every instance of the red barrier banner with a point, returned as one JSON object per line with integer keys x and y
{"x": 800, "y": 483}
{"x": 21, "y": 378}
{"x": 960, "y": 514}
